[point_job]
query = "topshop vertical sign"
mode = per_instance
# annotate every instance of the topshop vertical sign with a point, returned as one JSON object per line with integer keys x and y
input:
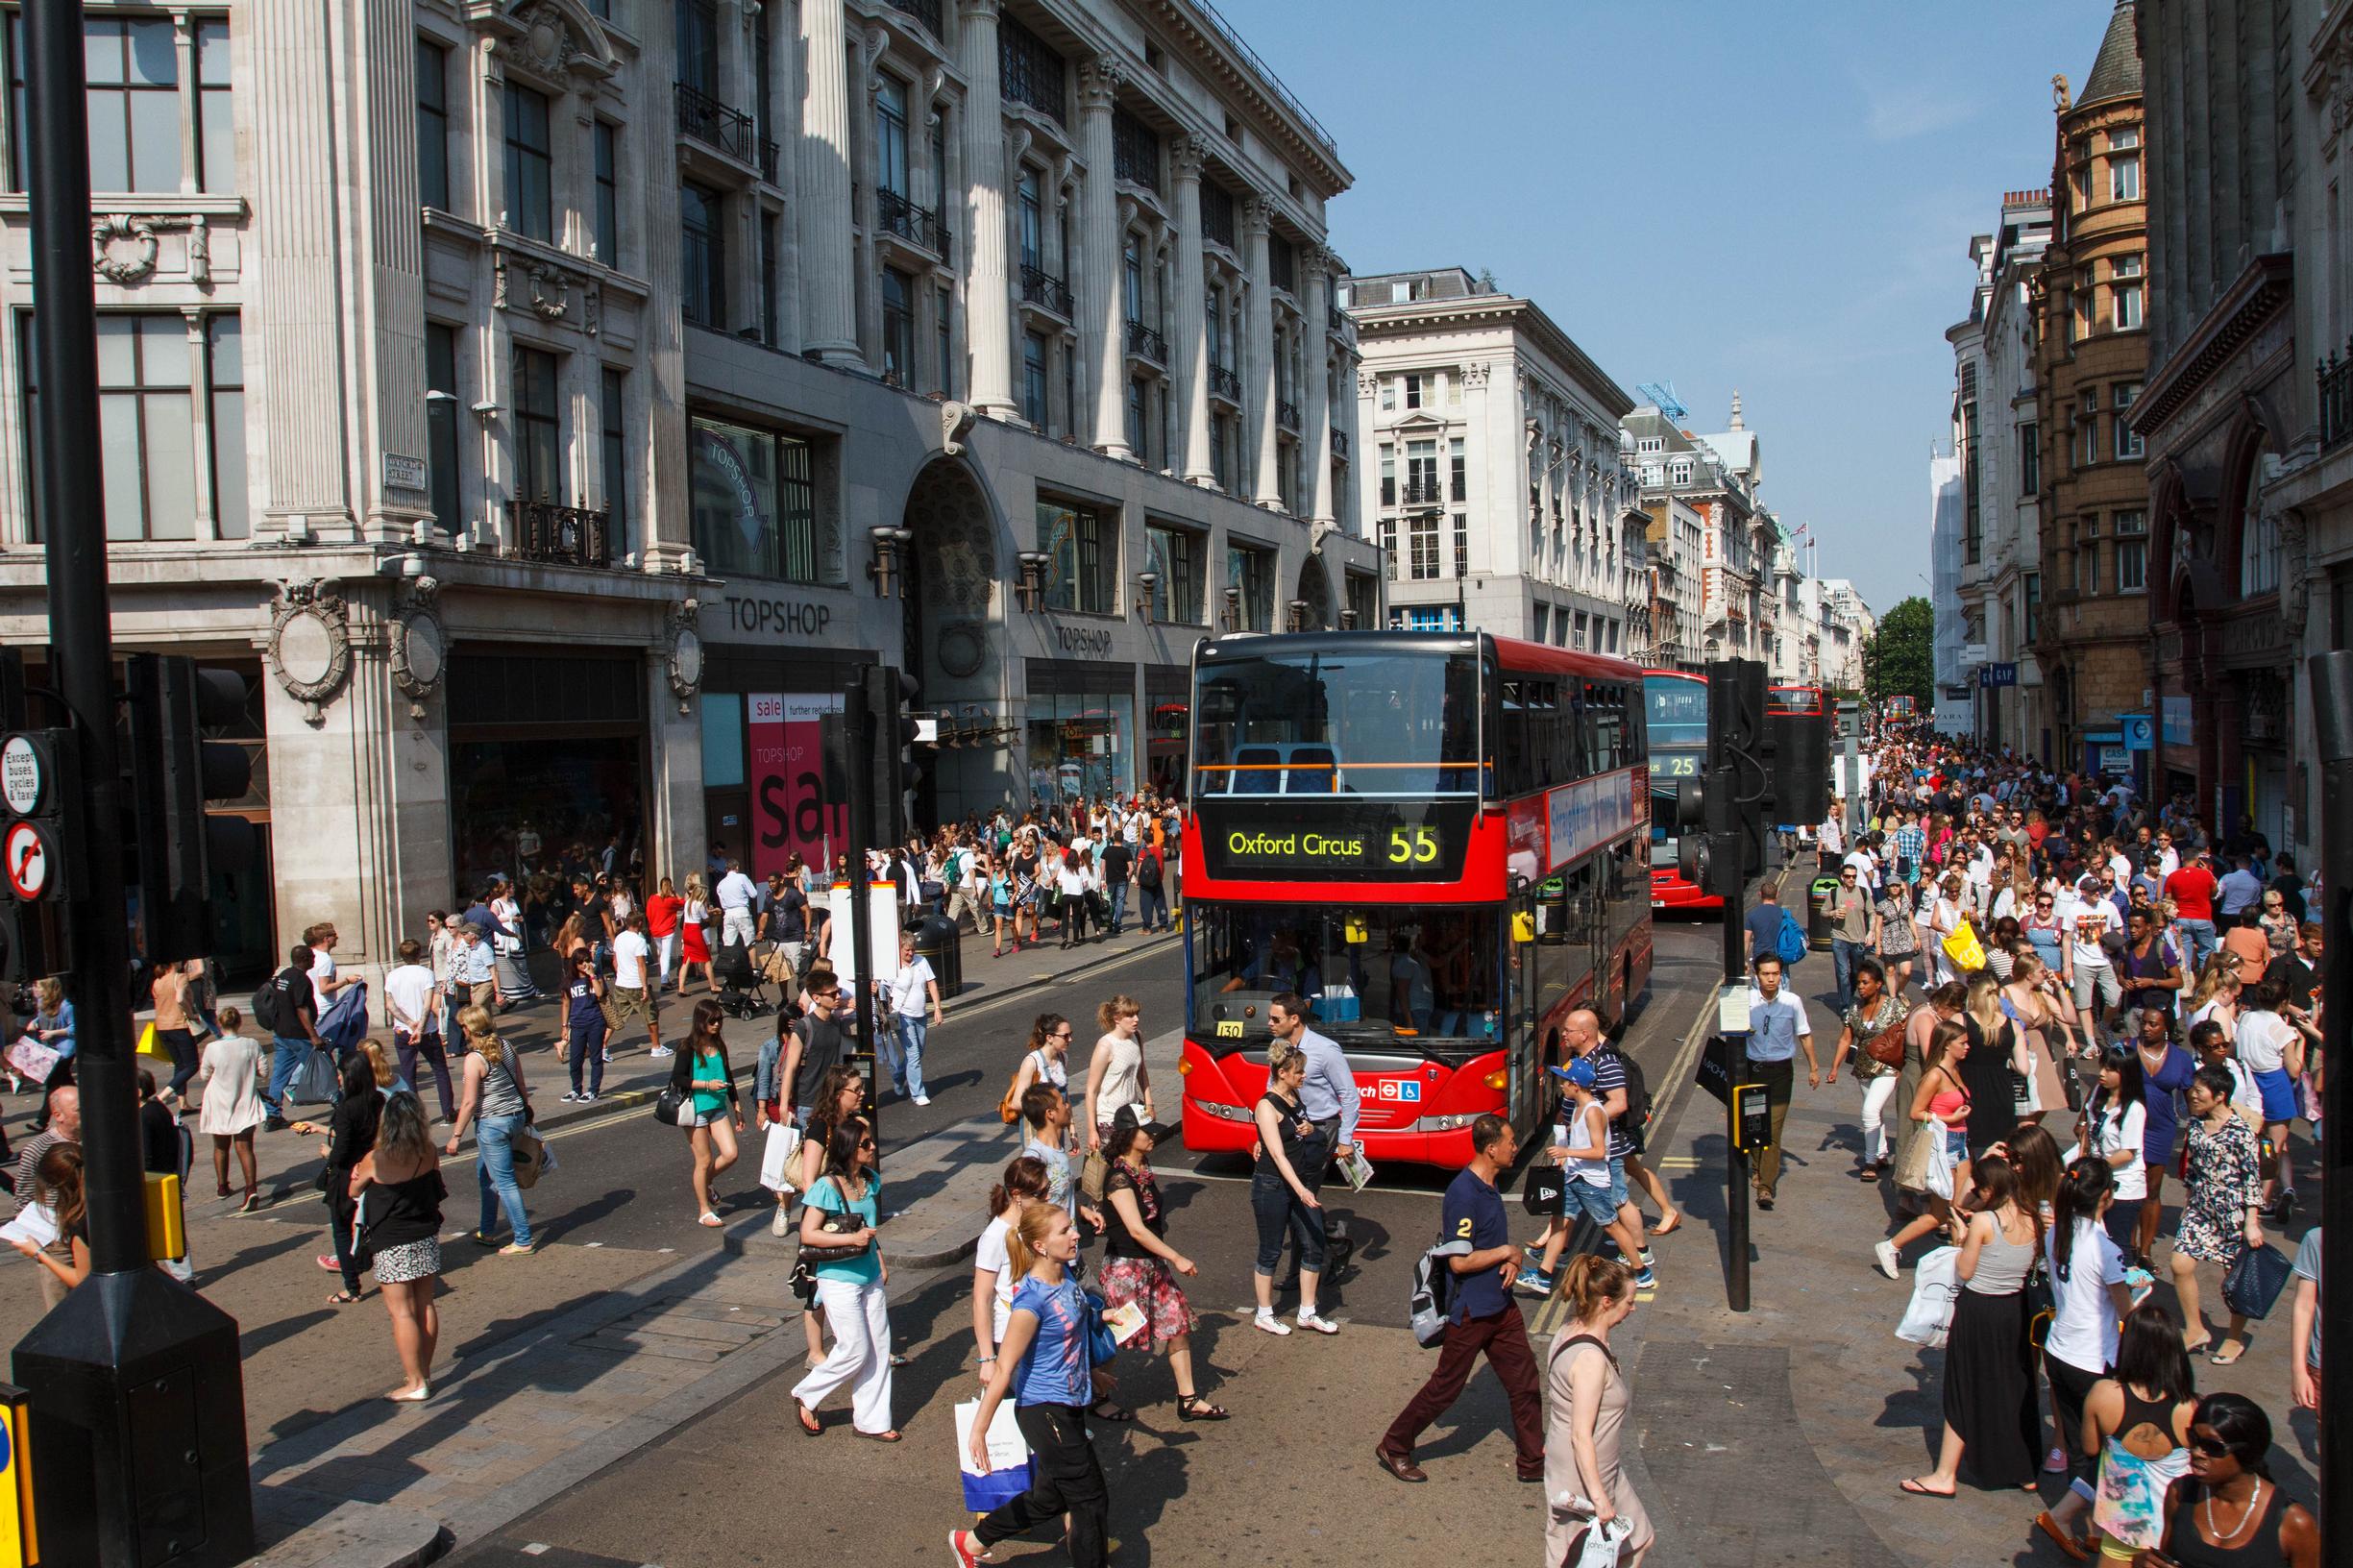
{"x": 786, "y": 762}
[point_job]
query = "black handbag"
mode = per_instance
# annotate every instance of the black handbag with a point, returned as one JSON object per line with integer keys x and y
{"x": 2042, "y": 1305}
{"x": 2254, "y": 1281}
{"x": 837, "y": 1224}
{"x": 1547, "y": 1191}
{"x": 670, "y": 1106}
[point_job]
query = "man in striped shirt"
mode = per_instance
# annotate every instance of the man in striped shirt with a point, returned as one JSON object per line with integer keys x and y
{"x": 1911, "y": 846}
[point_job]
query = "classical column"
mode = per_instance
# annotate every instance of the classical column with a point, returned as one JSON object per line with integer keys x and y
{"x": 827, "y": 299}
{"x": 1315, "y": 419}
{"x": 1189, "y": 355}
{"x": 1102, "y": 332}
{"x": 1259, "y": 396}
{"x": 988, "y": 295}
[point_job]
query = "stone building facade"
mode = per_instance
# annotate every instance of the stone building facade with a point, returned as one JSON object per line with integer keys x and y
{"x": 2093, "y": 298}
{"x": 1718, "y": 477}
{"x": 546, "y": 406}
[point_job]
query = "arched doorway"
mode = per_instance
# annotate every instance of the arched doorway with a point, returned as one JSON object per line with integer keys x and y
{"x": 1316, "y": 592}
{"x": 946, "y": 630}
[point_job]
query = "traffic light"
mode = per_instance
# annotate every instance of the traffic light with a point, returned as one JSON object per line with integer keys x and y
{"x": 1801, "y": 766}
{"x": 1691, "y": 829}
{"x": 888, "y": 692}
{"x": 173, "y": 772}
{"x": 1736, "y": 746}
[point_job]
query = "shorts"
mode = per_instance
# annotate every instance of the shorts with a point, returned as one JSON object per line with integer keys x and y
{"x": 623, "y": 1004}
{"x": 702, "y": 1119}
{"x": 408, "y": 1261}
{"x": 1617, "y": 1185}
{"x": 1597, "y": 1204}
{"x": 2278, "y": 1094}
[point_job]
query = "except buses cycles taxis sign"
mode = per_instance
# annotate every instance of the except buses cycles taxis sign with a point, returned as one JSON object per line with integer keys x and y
{"x": 1392, "y": 840}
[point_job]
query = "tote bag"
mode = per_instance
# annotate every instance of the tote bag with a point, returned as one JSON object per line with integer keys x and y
{"x": 1009, "y": 1457}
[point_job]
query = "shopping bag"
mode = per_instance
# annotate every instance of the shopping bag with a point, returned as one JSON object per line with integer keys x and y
{"x": 1009, "y": 1458}
{"x": 2254, "y": 1281}
{"x": 1940, "y": 1162}
{"x": 776, "y": 1158}
{"x": 315, "y": 1081}
{"x": 1596, "y": 1547}
{"x": 1936, "y": 1285}
{"x": 1547, "y": 1191}
{"x": 32, "y": 1060}
{"x": 148, "y": 1047}
{"x": 1964, "y": 948}
{"x": 529, "y": 1155}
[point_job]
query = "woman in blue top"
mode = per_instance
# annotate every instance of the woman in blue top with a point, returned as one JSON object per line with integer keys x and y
{"x": 584, "y": 1026}
{"x": 2165, "y": 1070}
{"x": 851, "y": 1290}
{"x": 1047, "y": 1362}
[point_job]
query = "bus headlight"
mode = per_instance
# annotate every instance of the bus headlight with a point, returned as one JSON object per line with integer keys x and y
{"x": 1222, "y": 1113}
{"x": 1445, "y": 1124}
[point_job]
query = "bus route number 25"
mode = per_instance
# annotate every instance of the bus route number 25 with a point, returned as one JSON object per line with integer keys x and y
{"x": 1414, "y": 846}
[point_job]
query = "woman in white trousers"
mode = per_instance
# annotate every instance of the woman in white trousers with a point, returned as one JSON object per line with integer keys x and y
{"x": 851, "y": 1290}
{"x": 1873, "y": 1014}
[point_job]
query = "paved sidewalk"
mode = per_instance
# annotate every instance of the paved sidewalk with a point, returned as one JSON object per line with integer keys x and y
{"x": 1777, "y": 1437}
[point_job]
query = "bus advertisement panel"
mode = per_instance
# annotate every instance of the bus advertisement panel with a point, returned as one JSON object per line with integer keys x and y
{"x": 1432, "y": 839}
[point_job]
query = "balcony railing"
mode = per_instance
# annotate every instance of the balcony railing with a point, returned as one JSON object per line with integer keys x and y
{"x": 1224, "y": 383}
{"x": 926, "y": 11}
{"x": 2335, "y": 377}
{"x": 920, "y": 226}
{"x": 1425, "y": 493}
{"x": 545, "y": 530}
{"x": 1335, "y": 318}
{"x": 1340, "y": 443}
{"x": 1142, "y": 340}
{"x": 1041, "y": 287}
{"x": 1287, "y": 415}
{"x": 730, "y": 131}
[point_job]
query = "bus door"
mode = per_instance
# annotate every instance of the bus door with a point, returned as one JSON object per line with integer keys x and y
{"x": 1524, "y": 1047}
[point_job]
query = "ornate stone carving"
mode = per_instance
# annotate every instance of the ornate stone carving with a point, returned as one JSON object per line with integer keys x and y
{"x": 2059, "y": 93}
{"x": 684, "y": 663}
{"x": 1186, "y": 156}
{"x": 2294, "y": 588}
{"x": 955, "y": 423}
{"x": 592, "y": 309}
{"x": 1258, "y": 216}
{"x": 978, "y": 9}
{"x": 1099, "y": 84}
{"x": 498, "y": 279}
{"x": 309, "y": 649}
{"x": 123, "y": 247}
{"x": 200, "y": 252}
{"x": 419, "y": 644}
{"x": 1475, "y": 375}
{"x": 1367, "y": 383}
{"x": 551, "y": 291}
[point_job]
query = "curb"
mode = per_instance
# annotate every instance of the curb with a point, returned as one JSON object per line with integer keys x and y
{"x": 357, "y": 1535}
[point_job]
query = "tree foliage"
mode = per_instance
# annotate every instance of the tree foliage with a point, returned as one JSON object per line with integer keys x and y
{"x": 1900, "y": 658}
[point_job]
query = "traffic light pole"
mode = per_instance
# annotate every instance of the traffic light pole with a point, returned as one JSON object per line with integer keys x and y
{"x": 859, "y": 738}
{"x": 2332, "y": 692}
{"x": 1726, "y": 779}
{"x": 138, "y": 1402}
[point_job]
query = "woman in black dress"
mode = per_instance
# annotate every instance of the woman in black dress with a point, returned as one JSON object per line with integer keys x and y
{"x": 1997, "y": 1052}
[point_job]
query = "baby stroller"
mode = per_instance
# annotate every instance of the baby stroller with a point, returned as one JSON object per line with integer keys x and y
{"x": 742, "y": 992}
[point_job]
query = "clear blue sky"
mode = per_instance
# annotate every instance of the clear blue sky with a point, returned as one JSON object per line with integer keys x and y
{"x": 1774, "y": 198}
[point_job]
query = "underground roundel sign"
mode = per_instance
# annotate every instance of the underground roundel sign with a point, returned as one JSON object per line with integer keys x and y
{"x": 24, "y": 855}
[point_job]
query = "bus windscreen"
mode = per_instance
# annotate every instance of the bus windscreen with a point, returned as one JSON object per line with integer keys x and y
{"x": 1379, "y": 722}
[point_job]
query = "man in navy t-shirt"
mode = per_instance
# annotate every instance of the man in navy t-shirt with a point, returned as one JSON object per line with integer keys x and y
{"x": 1483, "y": 1316}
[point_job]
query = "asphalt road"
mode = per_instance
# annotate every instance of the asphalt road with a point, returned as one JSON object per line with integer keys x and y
{"x": 1288, "y": 1478}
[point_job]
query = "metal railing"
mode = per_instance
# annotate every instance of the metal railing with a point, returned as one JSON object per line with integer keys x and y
{"x": 895, "y": 214}
{"x": 1042, "y": 287}
{"x": 1335, "y": 318}
{"x": 2335, "y": 376}
{"x": 545, "y": 530}
{"x": 1425, "y": 493}
{"x": 1274, "y": 84}
{"x": 1340, "y": 443}
{"x": 1224, "y": 383}
{"x": 730, "y": 131}
{"x": 1144, "y": 341}
{"x": 926, "y": 11}
{"x": 1287, "y": 415}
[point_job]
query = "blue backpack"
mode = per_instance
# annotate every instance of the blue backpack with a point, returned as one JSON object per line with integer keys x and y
{"x": 1790, "y": 942}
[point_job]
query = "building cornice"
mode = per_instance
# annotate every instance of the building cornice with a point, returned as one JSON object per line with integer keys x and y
{"x": 1231, "y": 65}
{"x": 2260, "y": 293}
{"x": 1395, "y": 321}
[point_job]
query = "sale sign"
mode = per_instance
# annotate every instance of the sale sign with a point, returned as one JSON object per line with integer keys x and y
{"x": 785, "y": 761}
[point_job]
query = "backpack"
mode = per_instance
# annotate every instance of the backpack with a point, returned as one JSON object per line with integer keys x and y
{"x": 1790, "y": 943}
{"x": 1147, "y": 868}
{"x": 1433, "y": 1300}
{"x": 1637, "y": 1115}
{"x": 265, "y": 1005}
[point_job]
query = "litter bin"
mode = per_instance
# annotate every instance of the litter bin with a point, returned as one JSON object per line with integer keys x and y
{"x": 1817, "y": 912}
{"x": 936, "y": 939}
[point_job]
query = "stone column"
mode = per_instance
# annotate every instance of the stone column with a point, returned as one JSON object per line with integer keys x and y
{"x": 829, "y": 324}
{"x": 987, "y": 298}
{"x": 1188, "y": 353}
{"x": 1259, "y": 392}
{"x": 1102, "y": 332}
{"x": 1315, "y": 419}
{"x": 655, "y": 395}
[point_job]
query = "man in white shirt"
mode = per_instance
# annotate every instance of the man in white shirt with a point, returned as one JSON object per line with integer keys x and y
{"x": 1830, "y": 837}
{"x": 629, "y": 998}
{"x": 2088, "y": 919}
{"x": 912, "y": 994}
{"x": 324, "y": 981}
{"x": 414, "y": 998}
{"x": 735, "y": 892}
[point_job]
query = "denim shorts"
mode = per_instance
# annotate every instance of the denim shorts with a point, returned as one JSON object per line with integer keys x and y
{"x": 1597, "y": 1204}
{"x": 1617, "y": 1184}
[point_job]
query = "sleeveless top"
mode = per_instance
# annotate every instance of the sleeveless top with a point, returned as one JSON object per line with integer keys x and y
{"x": 1292, "y": 1122}
{"x": 499, "y": 1095}
{"x": 2258, "y": 1545}
{"x": 2001, "y": 1266}
{"x": 1588, "y": 1161}
{"x": 2130, "y": 1503}
{"x": 1050, "y": 1070}
{"x": 396, "y": 1214}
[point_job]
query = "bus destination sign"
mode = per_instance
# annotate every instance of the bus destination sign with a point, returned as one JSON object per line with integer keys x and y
{"x": 1388, "y": 840}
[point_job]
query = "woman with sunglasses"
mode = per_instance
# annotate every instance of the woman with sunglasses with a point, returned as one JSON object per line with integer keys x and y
{"x": 1899, "y": 937}
{"x": 2278, "y": 925}
{"x": 1047, "y": 1061}
{"x": 2227, "y": 1512}
{"x": 711, "y": 1116}
{"x": 851, "y": 1290}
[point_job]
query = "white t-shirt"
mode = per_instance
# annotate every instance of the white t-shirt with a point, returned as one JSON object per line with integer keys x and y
{"x": 322, "y": 976}
{"x": 909, "y": 993}
{"x": 409, "y": 989}
{"x": 2087, "y": 920}
{"x": 2263, "y": 1041}
{"x": 2083, "y": 1330}
{"x": 2112, "y": 1132}
{"x": 629, "y": 953}
{"x": 991, "y": 1253}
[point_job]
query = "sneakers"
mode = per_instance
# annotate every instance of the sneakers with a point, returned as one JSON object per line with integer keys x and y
{"x": 1267, "y": 1321}
{"x": 966, "y": 1548}
{"x": 1889, "y": 1265}
{"x": 1645, "y": 1279}
{"x": 779, "y": 1227}
{"x": 1533, "y": 1282}
{"x": 608, "y": 1053}
{"x": 588, "y": 1097}
{"x": 657, "y": 1053}
{"x": 1534, "y": 1252}
{"x": 1310, "y": 1319}
{"x": 1647, "y": 1262}
{"x": 570, "y": 1097}
{"x": 2054, "y": 1462}
{"x": 923, "y": 1099}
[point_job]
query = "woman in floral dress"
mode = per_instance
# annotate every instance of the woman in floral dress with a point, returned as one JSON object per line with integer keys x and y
{"x": 2221, "y": 1212}
{"x": 1140, "y": 1267}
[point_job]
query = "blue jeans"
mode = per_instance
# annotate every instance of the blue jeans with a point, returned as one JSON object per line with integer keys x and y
{"x": 764, "y": 1081}
{"x": 1843, "y": 954}
{"x": 2199, "y": 935}
{"x": 1118, "y": 907}
{"x": 1154, "y": 906}
{"x": 1279, "y": 1213}
{"x": 494, "y": 1168}
{"x": 902, "y": 1053}
{"x": 287, "y": 1054}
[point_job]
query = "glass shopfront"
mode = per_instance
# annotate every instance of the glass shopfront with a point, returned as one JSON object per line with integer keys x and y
{"x": 1080, "y": 730}
{"x": 547, "y": 765}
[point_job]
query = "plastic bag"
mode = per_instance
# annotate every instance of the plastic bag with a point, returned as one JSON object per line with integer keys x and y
{"x": 1936, "y": 1285}
{"x": 1940, "y": 1162}
{"x": 777, "y": 1157}
{"x": 1009, "y": 1457}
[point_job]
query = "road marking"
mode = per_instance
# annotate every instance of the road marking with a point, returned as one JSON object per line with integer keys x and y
{"x": 1678, "y": 1162}
{"x": 1179, "y": 1173}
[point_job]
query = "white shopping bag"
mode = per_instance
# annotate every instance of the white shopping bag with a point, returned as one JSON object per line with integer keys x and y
{"x": 1602, "y": 1543}
{"x": 1008, "y": 1461}
{"x": 1936, "y": 1284}
{"x": 776, "y": 1158}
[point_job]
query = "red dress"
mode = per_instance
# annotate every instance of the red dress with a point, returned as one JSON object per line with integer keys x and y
{"x": 693, "y": 946}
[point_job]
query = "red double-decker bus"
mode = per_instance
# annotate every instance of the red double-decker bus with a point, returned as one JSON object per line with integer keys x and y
{"x": 1675, "y": 702}
{"x": 1806, "y": 699}
{"x": 1436, "y": 839}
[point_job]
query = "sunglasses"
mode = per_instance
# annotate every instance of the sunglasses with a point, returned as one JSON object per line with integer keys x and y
{"x": 2214, "y": 1448}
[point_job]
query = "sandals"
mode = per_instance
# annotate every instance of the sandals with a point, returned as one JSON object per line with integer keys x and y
{"x": 808, "y": 1420}
{"x": 2221, "y": 1358}
{"x": 2189, "y": 1349}
{"x": 891, "y": 1436}
{"x": 1671, "y": 1226}
{"x": 1198, "y": 1409}
{"x": 342, "y": 1298}
{"x": 711, "y": 1219}
{"x": 1107, "y": 1410}
{"x": 1910, "y": 1486}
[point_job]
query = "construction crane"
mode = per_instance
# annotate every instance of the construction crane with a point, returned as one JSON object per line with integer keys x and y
{"x": 1662, "y": 393}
